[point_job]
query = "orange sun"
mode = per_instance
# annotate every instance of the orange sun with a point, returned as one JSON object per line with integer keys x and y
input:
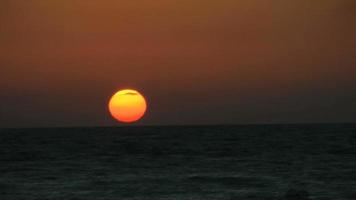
{"x": 127, "y": 106}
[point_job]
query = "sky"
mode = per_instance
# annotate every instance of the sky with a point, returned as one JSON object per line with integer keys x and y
{"x": 196, "y": 62}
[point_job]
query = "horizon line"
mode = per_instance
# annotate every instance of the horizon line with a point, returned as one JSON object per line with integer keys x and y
{"x": 182, "y": 125}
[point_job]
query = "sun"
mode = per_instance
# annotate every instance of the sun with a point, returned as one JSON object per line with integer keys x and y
{"x": 127, "y": 105}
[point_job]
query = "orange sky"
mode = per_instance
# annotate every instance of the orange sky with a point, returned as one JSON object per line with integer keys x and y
{"x": 226, "y": 61}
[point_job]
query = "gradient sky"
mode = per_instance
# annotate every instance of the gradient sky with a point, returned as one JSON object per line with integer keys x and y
{"x": 197, "y": 62}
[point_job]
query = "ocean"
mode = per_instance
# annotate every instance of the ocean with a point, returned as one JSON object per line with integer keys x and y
{"x": 243, "y": 162}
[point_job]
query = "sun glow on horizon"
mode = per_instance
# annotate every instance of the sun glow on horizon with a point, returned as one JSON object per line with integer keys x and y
{"x": 127, "y": 105}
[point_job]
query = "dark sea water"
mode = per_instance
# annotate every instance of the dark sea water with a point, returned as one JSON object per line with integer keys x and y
{"x": 181, "y": 163}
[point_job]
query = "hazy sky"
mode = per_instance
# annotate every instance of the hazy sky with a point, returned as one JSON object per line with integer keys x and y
{"x": 197, "y": 62}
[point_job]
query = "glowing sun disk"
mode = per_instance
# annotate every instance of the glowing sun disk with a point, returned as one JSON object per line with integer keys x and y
{"x": 127, "y": 105}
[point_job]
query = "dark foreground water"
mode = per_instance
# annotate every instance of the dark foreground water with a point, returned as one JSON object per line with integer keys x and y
{"x": 180, "y": 163}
